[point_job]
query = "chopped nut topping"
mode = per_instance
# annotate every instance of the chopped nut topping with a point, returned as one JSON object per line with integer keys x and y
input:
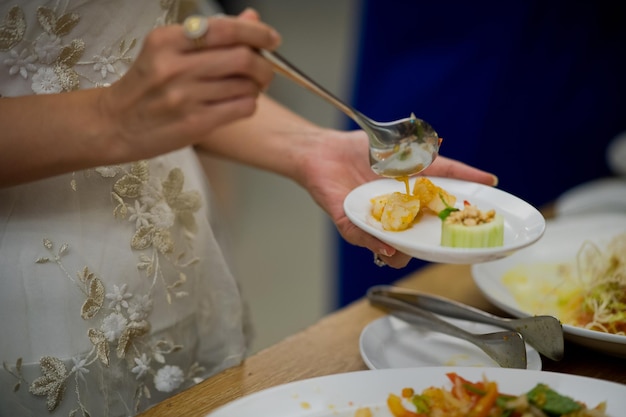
{"x": 471, "y": 216}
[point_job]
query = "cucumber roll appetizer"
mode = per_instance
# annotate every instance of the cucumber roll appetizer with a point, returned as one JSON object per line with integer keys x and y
{"x": 471, "y": 227}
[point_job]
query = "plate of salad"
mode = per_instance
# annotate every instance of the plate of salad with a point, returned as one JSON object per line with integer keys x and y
{"x": 435, "y": 391}
{"x": 520, "y": 223}
{"x": 576, "y": 272}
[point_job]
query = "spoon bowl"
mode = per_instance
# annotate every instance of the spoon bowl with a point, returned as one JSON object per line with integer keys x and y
{"x": 399, "y": 148}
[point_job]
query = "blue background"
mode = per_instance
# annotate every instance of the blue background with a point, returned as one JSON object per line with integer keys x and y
{"x": 532, "y": 91}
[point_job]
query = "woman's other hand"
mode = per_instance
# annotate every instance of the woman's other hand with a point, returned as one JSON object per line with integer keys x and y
{"x": 178, "y": 89}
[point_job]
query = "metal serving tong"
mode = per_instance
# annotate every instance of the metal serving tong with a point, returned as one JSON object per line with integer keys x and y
{"x": 506, "y": 348}
{"x": 544, "y": 333}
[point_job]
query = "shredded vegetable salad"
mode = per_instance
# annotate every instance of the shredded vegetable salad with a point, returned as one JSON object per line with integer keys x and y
{"x": 603, "y": 278}
{"x": 484, "y": 399}
{"x": 588, "y": 292}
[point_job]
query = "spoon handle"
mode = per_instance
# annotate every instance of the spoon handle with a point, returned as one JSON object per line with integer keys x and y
{"x": 288, "y": 70}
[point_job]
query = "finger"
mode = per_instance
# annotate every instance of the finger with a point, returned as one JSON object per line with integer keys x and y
{"x": 227, "y": 111}
{"x": 226, "y": 62}
{"x": 386, "y": 253}
{"x": 228, "y": 30}
{"x": 397, "y": 261}
{"x": 212, "y": 91}
{"x": 215, "y": 114}
{"x": 358, "y": 237}
{"x": 445, "y": 167}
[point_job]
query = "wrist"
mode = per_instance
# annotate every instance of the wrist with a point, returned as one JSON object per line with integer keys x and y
{"x": 105, "y": 137}
{"x": 310, "y": 154}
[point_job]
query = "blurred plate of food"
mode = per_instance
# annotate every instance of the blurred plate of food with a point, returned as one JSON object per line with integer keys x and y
{"x": 576, "y": 272}
{"x": 523, "y": 223}
{"x": 430, "y": 391}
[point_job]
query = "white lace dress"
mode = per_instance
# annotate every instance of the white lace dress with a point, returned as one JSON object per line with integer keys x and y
{"x": 114, "y": 292}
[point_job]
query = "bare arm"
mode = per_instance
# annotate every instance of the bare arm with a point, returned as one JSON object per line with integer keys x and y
{"x": 49, "y": 135}
{"x": 274, "y": 139}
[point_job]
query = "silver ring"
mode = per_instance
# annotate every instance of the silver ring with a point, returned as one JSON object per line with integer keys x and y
{"x": 195, "y": 28}
{"x": 378, "y": 261}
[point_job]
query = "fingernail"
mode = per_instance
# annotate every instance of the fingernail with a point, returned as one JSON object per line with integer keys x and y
{"x": 276, "y": 38}
{"x": 495, "y": 180}
{"x": 386, "y": 252}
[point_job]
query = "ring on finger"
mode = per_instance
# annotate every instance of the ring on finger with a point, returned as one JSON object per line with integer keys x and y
{"x": 379, "y": 262}
{"x": 195, "y": 28}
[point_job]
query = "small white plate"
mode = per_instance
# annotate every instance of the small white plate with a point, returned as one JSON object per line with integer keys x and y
{"x": 340, "y": 395}
{"x": 563, "y": 238}
{"x": 523, "y": 223}
{"x": 604, "y": 195}
{"x": 392, "y": 343}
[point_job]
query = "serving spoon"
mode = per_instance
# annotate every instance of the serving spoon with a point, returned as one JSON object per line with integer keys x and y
{"x": 399, "y": 148}
{"x": 506, "y": 348}
{"x": 544, "y": 333}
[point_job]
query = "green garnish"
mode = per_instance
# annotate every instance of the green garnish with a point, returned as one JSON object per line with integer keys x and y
{"x": 475, "y": 390}
{"x": 405, "y": 154}
{"x": 551, "y": 402}
{"x": 443, "y": 214}
{"x": 420, "y": 403}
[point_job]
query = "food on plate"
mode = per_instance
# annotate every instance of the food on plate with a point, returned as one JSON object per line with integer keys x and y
{"x": 431, "y": 196}
{"x": 468, "y": 227}
{"x": 471, "y": 227}
{"x": 588, "y": 291}
{"x": 395, "y": 211}
{"x": 398, "y": 211}
{"x": 484, "y": 399}
{"x": 363, "y": 412}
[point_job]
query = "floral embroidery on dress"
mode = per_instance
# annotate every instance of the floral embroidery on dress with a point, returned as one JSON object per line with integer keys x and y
{"x": 120, "y": 318}
{"x": 52, "y": 61}
{"x": 154, "y": 208}
{"x": 12, "y": 28}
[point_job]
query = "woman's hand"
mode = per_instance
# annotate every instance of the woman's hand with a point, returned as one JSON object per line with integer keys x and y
{"x": 173, "y": 95}
{"x": 177, "y": 91}
{"x": 340, "y": 163}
